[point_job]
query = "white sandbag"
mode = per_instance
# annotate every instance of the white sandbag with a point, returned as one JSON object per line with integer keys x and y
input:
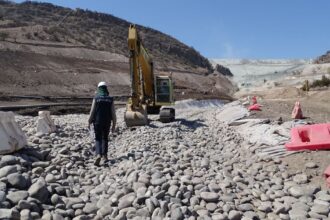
{"x": 45, "y": 123}
{"x": 12, "y": 137}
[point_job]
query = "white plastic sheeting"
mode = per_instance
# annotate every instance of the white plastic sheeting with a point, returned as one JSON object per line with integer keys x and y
{"x": 12, "y": 137}
{"x": 192, "y": 103}
{"x": 232, "y": 112}
{"x": 45, "y": 123}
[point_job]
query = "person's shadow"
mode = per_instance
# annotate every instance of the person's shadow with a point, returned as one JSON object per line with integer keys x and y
{"x": 191, "y": 123}
{"x": 187, "y": 123}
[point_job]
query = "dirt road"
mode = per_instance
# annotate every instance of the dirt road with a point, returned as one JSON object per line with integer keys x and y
{"x": 279, "y": 102}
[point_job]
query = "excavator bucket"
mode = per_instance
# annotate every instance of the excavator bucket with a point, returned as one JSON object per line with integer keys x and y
{"x": 136, "y": 117}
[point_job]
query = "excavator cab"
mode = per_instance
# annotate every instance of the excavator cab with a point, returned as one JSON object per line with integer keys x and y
{"x": 164, "y": 90}
{"x": 164, "y": 98}
{"x": 162, "y": 105}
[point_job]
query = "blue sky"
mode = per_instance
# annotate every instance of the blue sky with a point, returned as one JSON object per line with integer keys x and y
{"x": 230, "y": 28}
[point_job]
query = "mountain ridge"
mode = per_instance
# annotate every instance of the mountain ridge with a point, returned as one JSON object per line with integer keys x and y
{"x": 94, "y": 30}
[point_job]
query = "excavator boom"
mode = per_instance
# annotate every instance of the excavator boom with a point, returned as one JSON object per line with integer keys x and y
{"x": 136, "y": 111}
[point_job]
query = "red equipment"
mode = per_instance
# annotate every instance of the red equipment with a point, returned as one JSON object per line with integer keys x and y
{"x": 255, "y": 107}
{"x": 310, "y": 137}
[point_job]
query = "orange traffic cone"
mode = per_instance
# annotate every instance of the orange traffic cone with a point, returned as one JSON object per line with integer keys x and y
{"x": 254, "y": 100}
{"x": 297, "y": 112}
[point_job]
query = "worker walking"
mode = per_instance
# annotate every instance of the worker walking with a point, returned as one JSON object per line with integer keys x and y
{"x": 101, "y": 115}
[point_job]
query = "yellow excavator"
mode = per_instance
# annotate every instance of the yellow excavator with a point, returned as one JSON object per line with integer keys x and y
{"x": 149, "y": 93}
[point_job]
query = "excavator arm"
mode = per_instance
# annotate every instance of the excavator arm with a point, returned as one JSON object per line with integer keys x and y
{"x": 142, "y": 85}
{"x": 141, "y": 70}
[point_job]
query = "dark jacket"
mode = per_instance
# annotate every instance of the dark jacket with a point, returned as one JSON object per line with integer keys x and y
{"x": 102, "y": 111}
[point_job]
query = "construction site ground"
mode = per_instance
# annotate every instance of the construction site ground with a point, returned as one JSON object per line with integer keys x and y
{"x": 278, "y": 103}
{"x": 234, "y": 164}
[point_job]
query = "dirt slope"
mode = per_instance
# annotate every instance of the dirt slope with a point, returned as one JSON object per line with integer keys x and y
{"x": 51, "y": 50}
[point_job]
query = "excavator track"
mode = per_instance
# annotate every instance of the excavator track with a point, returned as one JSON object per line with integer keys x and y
{"x": 167, "y": 115}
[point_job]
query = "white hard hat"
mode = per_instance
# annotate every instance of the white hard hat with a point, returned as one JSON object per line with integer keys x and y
{"x": 102, "y": 84}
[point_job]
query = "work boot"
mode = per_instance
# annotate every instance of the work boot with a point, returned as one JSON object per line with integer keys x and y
{"x": 104, "y": 160}
{"x": 97, "y": 160}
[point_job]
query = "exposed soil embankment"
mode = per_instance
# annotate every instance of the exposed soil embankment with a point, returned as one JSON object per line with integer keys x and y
{"x": 30, "y": 73}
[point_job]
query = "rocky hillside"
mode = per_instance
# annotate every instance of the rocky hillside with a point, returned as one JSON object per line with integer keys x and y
{"x": 223, "y": 70}
{"x": 44, "y": 22}
{"x": 325, "y": 58}
{"x": 197, "y": 167}
{"x": 54, "y": 51}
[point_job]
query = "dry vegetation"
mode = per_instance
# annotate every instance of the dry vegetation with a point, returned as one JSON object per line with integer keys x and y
{"x": 324, "y": 82}
{"x": 223, "y": 70}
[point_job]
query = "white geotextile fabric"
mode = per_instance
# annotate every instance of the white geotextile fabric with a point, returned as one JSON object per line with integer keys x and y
{"x": 232, "y": 112}
{"x": 191, "y": 103}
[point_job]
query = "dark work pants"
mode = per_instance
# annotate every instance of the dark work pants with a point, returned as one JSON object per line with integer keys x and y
{"x": 101, "y": 138}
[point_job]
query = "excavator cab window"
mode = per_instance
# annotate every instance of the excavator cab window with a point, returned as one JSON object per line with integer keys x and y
{"x": 163, "y": 90}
